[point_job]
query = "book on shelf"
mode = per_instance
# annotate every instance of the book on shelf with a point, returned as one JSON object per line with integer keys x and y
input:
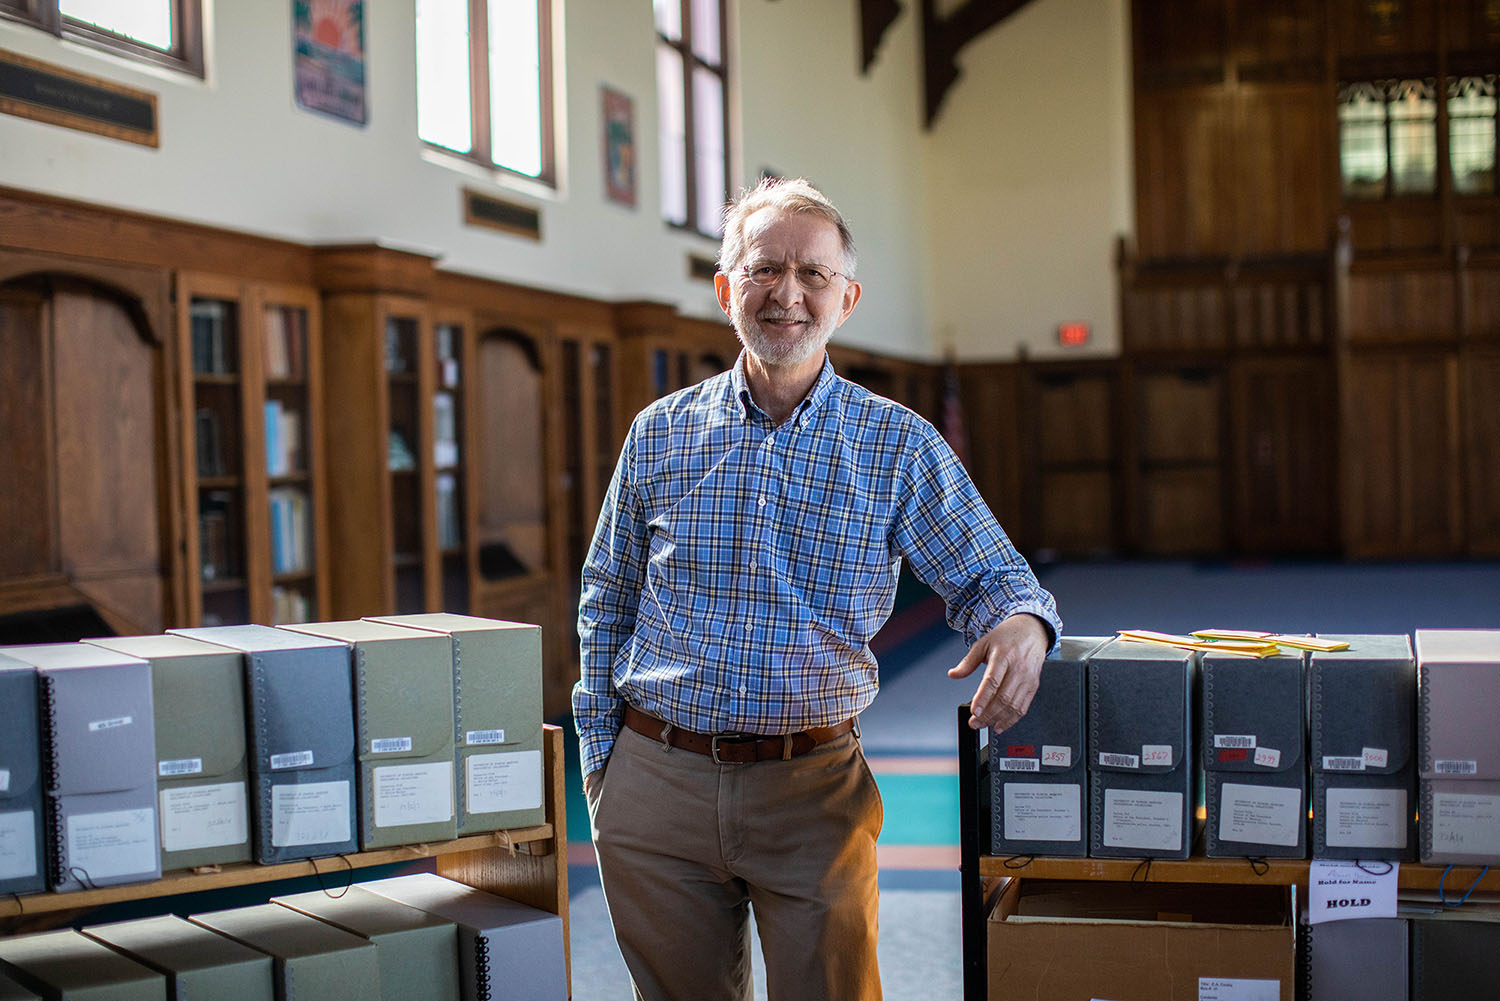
{"x": 290, "y": 535}
{"x": 286, "y": 332}
{"x": 445, "y": 430}
{"x": 399, "y": 457}
{"x": 216, "y": 535}
{"x": 447, "y": 352}
{"x": 395, "y": 348}
{"x": 289, "y": 604}
{"x": 208, "y": 322}
{"x": 283, "y": 427}
{"x": 207, "y": 442}
{"x": 450, "y": 534}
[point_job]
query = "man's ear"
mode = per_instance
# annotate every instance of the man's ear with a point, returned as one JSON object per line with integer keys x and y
{"x": 851, "y": 298}
{"x": 723, "y": 290}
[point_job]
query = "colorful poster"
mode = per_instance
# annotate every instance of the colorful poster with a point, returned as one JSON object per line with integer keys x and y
{"x": 329, "y": 51}
{"x": 619, "y": 146}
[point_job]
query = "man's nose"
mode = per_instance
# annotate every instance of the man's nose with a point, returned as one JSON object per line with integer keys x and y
{"x": 787, "y": 289}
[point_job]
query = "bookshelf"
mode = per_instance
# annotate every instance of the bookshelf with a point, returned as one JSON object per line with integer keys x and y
{"x": 452, "y": 495}
{"x": 255, "y": 548}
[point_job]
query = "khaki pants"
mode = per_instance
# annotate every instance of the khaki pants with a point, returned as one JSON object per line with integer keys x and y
{"x": 686, "y": 846}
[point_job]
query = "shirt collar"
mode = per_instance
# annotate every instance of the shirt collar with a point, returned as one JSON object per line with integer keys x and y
{"x": 809, "y": 404}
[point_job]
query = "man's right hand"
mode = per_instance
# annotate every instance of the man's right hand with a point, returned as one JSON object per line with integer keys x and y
{"x": 593, "y": 784}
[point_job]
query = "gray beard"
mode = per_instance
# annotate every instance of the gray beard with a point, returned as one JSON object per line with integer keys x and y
{"x": 774, "y": 351}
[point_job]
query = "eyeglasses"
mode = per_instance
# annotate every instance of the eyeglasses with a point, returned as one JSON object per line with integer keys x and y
{"x": 812, "y": 277}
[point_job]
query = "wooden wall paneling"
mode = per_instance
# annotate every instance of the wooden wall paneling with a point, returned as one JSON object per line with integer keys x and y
{"x": 1179, "y": 427}
{"x": 1480, "y": 297}
{"x": 1476, "y": 222}
{"x": 1401, "y": 305}
{"x": 1184, "y": 173}
{"x": 1407, "y": 225}
{"x": 1278, "y": 39}
{"x": 1394, "y": 30}
{"x": 1481, "y": 466}
{"x": 1471, "y": 27}
{"x": 27, "y": 507}
{"x": 995, "y": 425}
{"x": 1072, "y": 456}
{"x": 1283, "y": 455}
{"x": 1280, "y": 310}
{"x": 1176, "y": 312}
{"x": 1399, "y": 454}
{"x": 1179, "y": 41}
{"x": 1282, "y": 136}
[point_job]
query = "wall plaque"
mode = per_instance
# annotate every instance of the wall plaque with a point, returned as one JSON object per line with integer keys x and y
{"x": 33, "y": 89}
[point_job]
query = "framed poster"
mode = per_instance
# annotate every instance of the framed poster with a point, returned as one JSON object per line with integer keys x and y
{"x": 619, "y": 146}
{"x": 329, "y": 55}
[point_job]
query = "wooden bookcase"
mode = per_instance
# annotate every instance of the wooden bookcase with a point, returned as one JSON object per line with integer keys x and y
{"x": 251, "y": 391}
{"x": 528, "y": 864}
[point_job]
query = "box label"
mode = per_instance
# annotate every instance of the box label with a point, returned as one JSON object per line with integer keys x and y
{"x": 1268, "y": 757}
{"x": 1054, "y": 755}
{"x": 1151, "y": 820}
{"x": 312, "y": 814}
{"x": 1020, "y": 765}
{"x": 1465, "y": 823}
{"x": 110, "y": 724}
{"x": 1454, "y": 767}
{"x": 413, "y": 794}
{"x": 1245, "y": 740}
{"x": 484, "y": 737}
{"x": 1108, "y": 760}
{"x": 115, "y": 843}
{"x": 509, "y": 780}
{"x": 1156, "y": 754}
{"x": 1343, "y": 764}
{"x": 1020, "y": 751}
{"x": 390, "y": 745}
{"x": 1376, "y": 757}
{"x": 4, "y": 780}
{"x": 1340, "y": 891}
{"x": 1216, "y": 989}
{"x": 213, "y": 815}
{"x": 179, "y": 766}
{"x": 1036, "y": 811}
{"x": 17, "y": 844}
{"x": 1366, "y": 818}
{"x": 292, "y": 759}
{"x": 1260, "y": 815}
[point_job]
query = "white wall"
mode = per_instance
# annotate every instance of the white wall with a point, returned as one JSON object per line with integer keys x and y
{"x": 237, "y": 153}
{"x": 1029, "y": 182}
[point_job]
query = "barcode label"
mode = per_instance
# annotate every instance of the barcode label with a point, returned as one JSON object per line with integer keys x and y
{"x": 296, "y": 759}
{"x": 1349, "y": 764}
{"x": 1119, "y": 760}
{"x": 1245, "y": 740}
{"x": 485, "y": 737}
{"x": 1453, "y": 767}
{"x": 1020, "y": 765}
{"x": 179, "y": 766}
{"x": 389, "y": 745}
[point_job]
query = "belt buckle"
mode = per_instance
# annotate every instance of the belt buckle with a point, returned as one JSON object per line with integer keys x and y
{"x": 713, "y": 746}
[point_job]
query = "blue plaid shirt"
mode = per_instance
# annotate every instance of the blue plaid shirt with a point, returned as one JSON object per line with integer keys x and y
{"x": 739, "y": 569}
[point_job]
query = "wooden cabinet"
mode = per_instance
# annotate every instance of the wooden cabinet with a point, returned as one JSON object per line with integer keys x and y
{"x": 528, "y": 864}
{"x": 1073, "y": 453}
{"x": 1176, "y": 501}
{"x": 252, "y": 451}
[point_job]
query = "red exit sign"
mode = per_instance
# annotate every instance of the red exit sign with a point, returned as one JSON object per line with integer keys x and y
{"x": 1073, "y": 335}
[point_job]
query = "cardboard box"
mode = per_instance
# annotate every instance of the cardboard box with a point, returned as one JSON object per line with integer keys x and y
{"x": 23, "y": 852}
{"x": 12, "y": 991}
{"x": 199, "y": 964}
{"x": 497, "y": 683}
{"x": 311, "y": 959}
{"x": 404, "y": 723}
{"x": 505, "y": 948}
{"x": 1453, "y": 958}
{"x": 1039, "y": 768}
{"x": 99, "y": 746}
{"x": 201, "y": 775}
{"x": 1143, "y": 758}
{"x": 1252, "y": 716}
{"x": 418, "y": 952}
{"x": 300, "y": 722}
{"x": 71, "y": 966}
{"x": 1458, "y": 740}
{"x": 1362, "y": 713}
{"x": 1079, "y": 941}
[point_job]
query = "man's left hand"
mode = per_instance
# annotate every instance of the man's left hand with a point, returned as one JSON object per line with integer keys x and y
{"x": 1011, "y": 655}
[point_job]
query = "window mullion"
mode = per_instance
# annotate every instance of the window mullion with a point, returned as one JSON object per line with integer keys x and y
{"x": 479, "y": 81}
{"x": 689, "y": 125}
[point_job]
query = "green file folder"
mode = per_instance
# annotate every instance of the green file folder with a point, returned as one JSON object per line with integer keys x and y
{"x": 199, "y": 964}
{"x": 311, "y": 959}
{"x": 68, "y": 966}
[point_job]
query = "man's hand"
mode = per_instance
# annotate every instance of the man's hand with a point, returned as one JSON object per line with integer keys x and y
{"x": 1011, "y": 655}
{"x": 592, "y": 783}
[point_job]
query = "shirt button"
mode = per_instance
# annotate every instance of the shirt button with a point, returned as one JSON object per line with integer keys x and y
{"x": 762, "y": 501}
{"x": 749, "y": 628}
{"x": 770, "y": 439}
{"x": 753, "y": 565}
{"x": 743, "y": 689}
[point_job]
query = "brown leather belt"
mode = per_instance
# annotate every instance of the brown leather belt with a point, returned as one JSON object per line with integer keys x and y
{"x": 734, "y": 748}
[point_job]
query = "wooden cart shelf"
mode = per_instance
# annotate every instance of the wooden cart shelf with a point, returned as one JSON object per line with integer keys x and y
{"x": 1277, "y": 872}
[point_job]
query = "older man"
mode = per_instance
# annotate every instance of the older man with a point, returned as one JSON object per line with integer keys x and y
{"x": 747, "y": 552}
